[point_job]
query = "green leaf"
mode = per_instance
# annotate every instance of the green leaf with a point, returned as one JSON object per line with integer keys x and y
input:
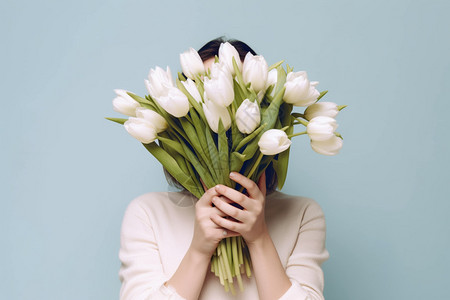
{"x": 249, "y": 137}
{"x": 223, "y": 154}
{"x": 276, "y": 65}
{"x": 195, "y": 144}
{"x": 282, "y": 163}
{"x": 236, "y": 161}
{"x": 176, "y": 155}
{"x": 213, "y": 153}
{"x": 200, "y": 128}
{"x": 289, "y": 69}
{"x": 281, "y": 79}
{"x": 175, "y": 146}
{"x": 240, "y": 79}
{"x": 117, "y": 120}
{"x": 323, "y": 93}
{"x": 263, "y": 166}
{"x": 239, "y": 95}
{"x": 140, "y": 99}
{"x": 172, "y": 167}
{"x": 204, "y": 174}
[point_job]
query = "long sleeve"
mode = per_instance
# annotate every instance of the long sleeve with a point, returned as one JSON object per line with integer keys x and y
{"x": 304, "y": 264}
{"x": 141, "y": 271}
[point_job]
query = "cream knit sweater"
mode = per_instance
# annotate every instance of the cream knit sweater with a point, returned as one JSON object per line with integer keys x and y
{"x": 157, "y": 230}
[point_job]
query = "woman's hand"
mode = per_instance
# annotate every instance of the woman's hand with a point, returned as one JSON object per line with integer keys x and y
{"x": 249, "y": 221}
{"x": 207, "y": 234}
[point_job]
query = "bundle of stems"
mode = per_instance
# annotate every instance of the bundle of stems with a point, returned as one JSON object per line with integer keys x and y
{"x": 231, "y": 260}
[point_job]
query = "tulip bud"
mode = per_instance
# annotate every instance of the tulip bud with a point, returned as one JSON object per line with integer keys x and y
{"x": 141, "y": 129}
{"x": 327, "y": 147}
{"x": 160, "y": 86}
{"x": 321, "y": 128}
{"x": 299, "y": 90}
{"x": 272, "y": 77}
{"x": 174, "y": 102}
{"x": 157, "y": 121}
{"x": 248, "y": 116}
{"x": 226, "y": 54}
{"x": 326, "y": 109}
{"x": 213, "y": 113}
{"x": 192, "y": 89}
{"x": 191, "y": 63}
{"x": 255, "y": 71}
{"x": 219, "y": 88}
{"x": 273, "y": 141}
{"x": 158, "y": 82}
{"x": 124, "y": 104}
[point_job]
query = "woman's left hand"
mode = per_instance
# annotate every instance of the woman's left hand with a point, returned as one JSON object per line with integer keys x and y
{"x": 249, "y": 221}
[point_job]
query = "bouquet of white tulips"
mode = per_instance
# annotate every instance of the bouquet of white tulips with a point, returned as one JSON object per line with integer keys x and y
{"x": 232, "y": 117}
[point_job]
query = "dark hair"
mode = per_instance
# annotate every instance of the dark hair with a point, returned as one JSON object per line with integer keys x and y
{"x": 210, "y": 50}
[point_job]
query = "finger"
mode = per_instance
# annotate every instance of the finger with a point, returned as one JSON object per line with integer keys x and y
{"x": 262, "y": 183}
{"x": 205, "y": 200}
{"x": 232, "y": 194}
{"x": 226, "y": 223}
{"x": 229, "y": 209}
{"x": 215, "y": 210}
{"x": 224, "y": 233}
{"x": 250, "y": 185}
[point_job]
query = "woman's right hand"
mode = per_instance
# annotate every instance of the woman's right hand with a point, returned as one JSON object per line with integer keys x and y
{"x": 208, "y": 234}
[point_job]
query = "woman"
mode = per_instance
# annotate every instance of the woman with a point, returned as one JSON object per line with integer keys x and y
{"x": 167, "y": 239}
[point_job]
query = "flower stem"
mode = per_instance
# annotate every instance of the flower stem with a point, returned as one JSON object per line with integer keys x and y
{"x": 255, "y": 165}
{"x": 303, "y": 122}
{"x": 296, "y": 134}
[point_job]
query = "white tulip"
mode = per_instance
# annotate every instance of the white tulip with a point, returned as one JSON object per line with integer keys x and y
{"x": 321, "y": 128}
{"x": 327, "y": 147}
{"x": 161, "y": 87}
{"x": 273, "y": 141}
{"x": 124, "y": 104}
{"x": 191, "y": 63}
{"x": 255, "y": 71}
{"x": 217, "y": 69}
{"x": 192, "y": 89}
{"x": 327, "y": 109}
{"x": 248, "y": 116}
{"x": 226, "y": 54}
{"x": 157, "y": 121}
{"x": 159, "y": 81}
{"x": 141, "y": 129}
{"x": 219, "y": 88}
{"x": 213, "y": 113}
{"x": 174, "y": 102}
{"x": 299, "y": 90}
{"x": 272, "y": 77}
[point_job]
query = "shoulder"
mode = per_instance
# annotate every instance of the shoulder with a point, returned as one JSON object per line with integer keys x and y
{"x": 291, "y": 203}
{"x": 154, "y": 200}
{"x": 151, "y": 204}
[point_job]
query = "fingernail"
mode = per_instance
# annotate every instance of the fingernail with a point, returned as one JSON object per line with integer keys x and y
{"x": 232, "y": 174}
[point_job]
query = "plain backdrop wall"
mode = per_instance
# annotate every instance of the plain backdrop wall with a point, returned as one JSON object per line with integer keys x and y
{"x": 67, "y": 174}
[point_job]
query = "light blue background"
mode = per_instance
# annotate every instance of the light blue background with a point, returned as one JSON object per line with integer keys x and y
{"x": 67, "y": 174}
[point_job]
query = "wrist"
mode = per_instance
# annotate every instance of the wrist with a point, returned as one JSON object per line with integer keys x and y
{"x": 198, "y": 256}
{"x": 260, "y": 242}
